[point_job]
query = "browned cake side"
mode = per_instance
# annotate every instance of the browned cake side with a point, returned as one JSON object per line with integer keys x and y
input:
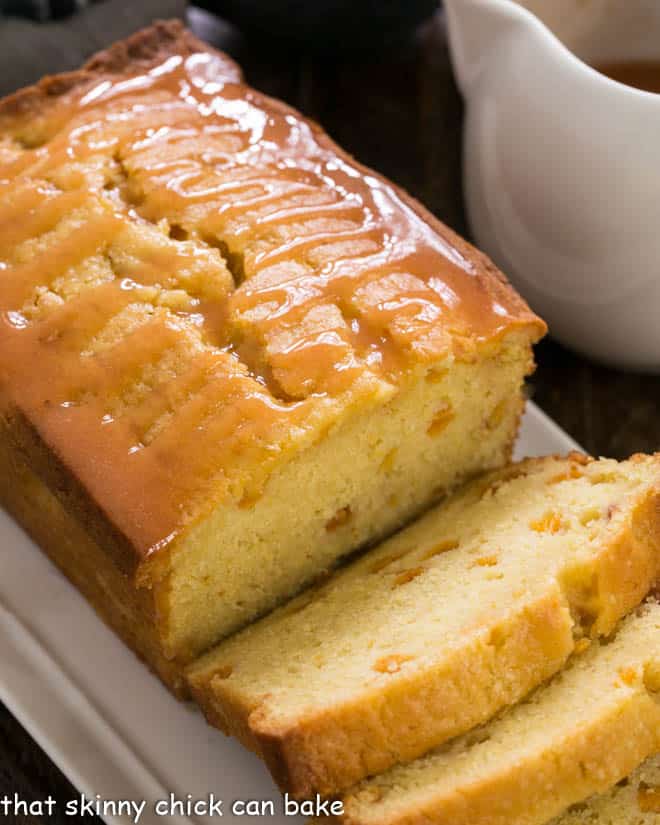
{"x": 125, "y": 608}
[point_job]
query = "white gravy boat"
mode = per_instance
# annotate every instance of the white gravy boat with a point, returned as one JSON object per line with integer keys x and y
{"x": 562, "y": 164}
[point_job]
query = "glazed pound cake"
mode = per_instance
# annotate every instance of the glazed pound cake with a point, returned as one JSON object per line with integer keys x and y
{"x": 442, "y": 626}
{"x": 632, "y": 801}
{"x": 229, "y": 354}
{"x": 589, "y": 728}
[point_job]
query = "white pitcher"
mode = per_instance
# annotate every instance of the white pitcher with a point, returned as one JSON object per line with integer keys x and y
{"x": 562, "y": 164}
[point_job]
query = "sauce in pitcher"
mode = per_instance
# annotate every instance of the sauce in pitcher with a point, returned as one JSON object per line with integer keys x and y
{"x": 640, "y": 74}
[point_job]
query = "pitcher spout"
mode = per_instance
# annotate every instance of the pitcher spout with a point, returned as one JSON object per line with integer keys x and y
{"x": 478, "y": 29}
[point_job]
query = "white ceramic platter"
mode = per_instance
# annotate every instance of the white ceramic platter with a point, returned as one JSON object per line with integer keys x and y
{"x": 101, "y": 716}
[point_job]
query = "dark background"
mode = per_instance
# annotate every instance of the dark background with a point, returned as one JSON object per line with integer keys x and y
{"x": 395, "y": 109}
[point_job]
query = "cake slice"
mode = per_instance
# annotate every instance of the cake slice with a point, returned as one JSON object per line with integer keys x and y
{"x": 632, "y": 801}
{"x": 443, "y": 625}
{"x": 589, "y": 728}
{"x": 228, "y": 352}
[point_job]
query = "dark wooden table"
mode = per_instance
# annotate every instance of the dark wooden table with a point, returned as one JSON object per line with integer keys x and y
{"x": 400, "y": 113}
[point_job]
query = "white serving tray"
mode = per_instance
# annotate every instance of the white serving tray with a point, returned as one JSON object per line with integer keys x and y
{"x": 109, "y": 725}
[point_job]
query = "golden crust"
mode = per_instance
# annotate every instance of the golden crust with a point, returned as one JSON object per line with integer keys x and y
{"x": 633, "y": 801}
{"x": 127, "y": 610}
{"x": 26, "y": 439}
{"x": 576, "y": 737}
{"x": 326, "y": 752}
{"x": 146, "y": 48}
{"x": 611, "y": 748}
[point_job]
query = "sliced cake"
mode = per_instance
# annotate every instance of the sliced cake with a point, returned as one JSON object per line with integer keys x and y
{"x": 443, "y": 625}
{"x": 230, "y": 354}
{"x": 632, "y": 801}
{"x": 594, "y": 724}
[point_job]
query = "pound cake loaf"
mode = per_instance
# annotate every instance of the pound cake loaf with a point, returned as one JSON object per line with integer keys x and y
{"x": 632, "y": 801}
{"x": 442, "y": 626}
{"x": 594, "y": 724}
{"x": 229, "y": 353}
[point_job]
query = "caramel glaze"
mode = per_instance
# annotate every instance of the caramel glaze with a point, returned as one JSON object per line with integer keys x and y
{"x": 640, "y": 74}
{"x": 339, "y": 287}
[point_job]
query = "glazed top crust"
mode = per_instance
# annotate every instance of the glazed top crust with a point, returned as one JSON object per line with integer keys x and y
{"x": 196, "y": 282}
